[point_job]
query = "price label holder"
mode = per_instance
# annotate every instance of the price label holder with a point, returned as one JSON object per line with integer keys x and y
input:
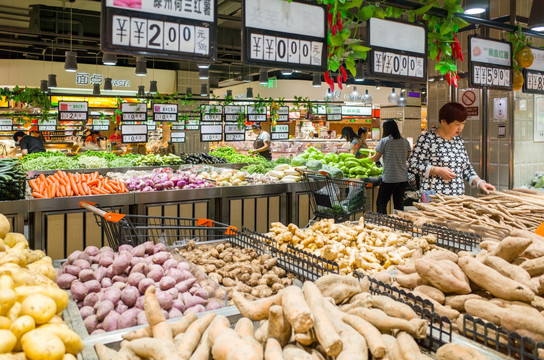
{"x": 177, "y": 137}
{"x": 47, "y": 125}
{"x": 490, "y": 63}
{"x": 534, "y": 75}
{"x": 180, "y": 126}
{"x": 101, "y": 125}
{"x": 73, "y": 110}
{"x": 165, "y": 112}
{"x": 211, "y": 132}
{"x": 280, "y": 132}
{"x": 6, "y": 125}
{"x": 232, "y": 113}
{"x": 133, "y": 134}
{"x": 284, "y": 34}
{"x": 256, "y": 114}
{"x": 180, "y": 29}
{"x": 192, "y": 124}
{"x": 211, "y": 113}
{"x": 151, "y": 125}
{"x": 134, "y": 111}
{"x": 233, "y": 132}
{"x": 402, "y": 57}
{"x": 283, "y": 114}
{"x": 334, "y": 113}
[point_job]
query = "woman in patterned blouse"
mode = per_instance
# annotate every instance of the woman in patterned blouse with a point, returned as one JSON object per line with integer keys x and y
{"x": 440, "y": 158}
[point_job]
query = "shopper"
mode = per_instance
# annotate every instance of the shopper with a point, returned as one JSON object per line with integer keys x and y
{"x": 440, "y": 158}
{"x": 355, "y": 142}
{"x": 395, "y": 151}
{"x": 28, "y": 144}
{"x": 37, "y": 134}
{"x": 363, "y": 135}
{"x": 261, "y": 145}
{"x": 116, "y": 136}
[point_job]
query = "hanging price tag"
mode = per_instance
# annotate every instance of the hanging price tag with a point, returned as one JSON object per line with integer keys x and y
{"x": 6, "y": 124}
{"x": 165, "y": 112}
{"x": 47, "y": 125}
{"x": 210, "y": 133}
{"x": 134, "y": 133}
{"x": 283, "y": 114}
{"x": 212, "y": 113}
{"x": 177, "y": 137}
{"x": 280, "y": 132}
{"x": 256, "y": 114}
{"x": 73, "y": 110}
{"x": 101, "y": 125}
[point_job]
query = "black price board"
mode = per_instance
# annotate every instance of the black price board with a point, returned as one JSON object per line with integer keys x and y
{"x": 211, "y": 113}
{"x": 176, "y": 29}
{"x": 73, "y": 110}
{"x": 132, "y": 134}
{"x": 534, "y": 75}
{"x": 165, "y": 112}
{"x": 401, "y": 56}
{"x": 101, "y": 125}
{"x": 280, "y": 132}
{"x": 233, "y": 132}
{"x": 134, "y": 111}
{"x": 6, "y": 125}
{"x": 151, "y": 125}
{"x": 177, "y": 137}
{"x": 47, "y": 125}
{"x": 211, "y": 132}
{"x": 490, "y": 63}
{"x": 192, "y": 124}
{"x": 284, "y": 34}
{"x": 232, "y": 113}
{"x": 334, "y": 113}
{"x": 178, "y": 126}
{"x": 283, "y": 114}
{"x": 256, "y": 114}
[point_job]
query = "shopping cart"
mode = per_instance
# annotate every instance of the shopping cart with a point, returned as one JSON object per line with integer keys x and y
{"x": 173, "y": 231}
{"x": 336, "y": 199}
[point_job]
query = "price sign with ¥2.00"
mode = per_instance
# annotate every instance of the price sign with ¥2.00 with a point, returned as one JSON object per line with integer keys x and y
{"x": 73, "y": 110}
{"x": 6, "y": 124}
{"x": 134, "y": 133}
{"x": 101, "y": 124}
{"x": 165, "y": 112}
{"x": 177, "y": 137}
{"x": 48, "y": 125}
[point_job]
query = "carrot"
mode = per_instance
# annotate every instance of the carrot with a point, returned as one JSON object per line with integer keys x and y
{"x": 94, "y": 191}
{"x": 63, "y": 190}
{"x": 93, "y": 182}
{"x": 37, "y": 195}
{"x": 42, "y": 187}
{"x": 34, "y": 186}
{"x": 108, "y": 187}
{"x": 86, "y": 189}
{"x": 95, "y": 175}
{"x": 42, "y": 177}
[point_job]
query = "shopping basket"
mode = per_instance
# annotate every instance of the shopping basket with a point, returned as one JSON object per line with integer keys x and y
{"x": 332, "y": 198}
{"x": 173, "y": 231}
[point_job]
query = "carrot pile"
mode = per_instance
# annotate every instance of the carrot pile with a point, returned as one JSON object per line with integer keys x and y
{"x": 62, "y": 184}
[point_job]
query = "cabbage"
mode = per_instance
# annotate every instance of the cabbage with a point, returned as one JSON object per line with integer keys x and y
{"x": 314, "y": 165}
{"x": 298, "y": 161}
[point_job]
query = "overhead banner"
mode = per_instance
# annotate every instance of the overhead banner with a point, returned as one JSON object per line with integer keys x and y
{"x": 280, "y": 132}
{"x": 277, "y": 33}
{"x": 134, "y": 111}
{"x": 165, "y": 112}
{"x": 534, "y": 75}
{"x": 179, "y": 29}
{"x": 490, "y": 64}
{"x": 132, "y": 134}
{"x": 73, "y": 110}
{"x": 398, "y": 51}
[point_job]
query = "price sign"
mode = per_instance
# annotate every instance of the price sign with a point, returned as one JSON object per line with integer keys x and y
{"x": 210, "y": 133}
{"x": 399, "y": 57}
{"x": 283, "y": 114}
{"x": 280, "y": 132}
{"x": 334, "y": 113}
{"x": 134, "y": 133}
{"x": 6, "y": 124}
{"x": 287, "y": 35}
{"x": 179, "y": 29}
{"x": 178, "y": 126}
{"x": 101, "y": 125}
{"x": 534, "y": 75}
{"x": 233, "y": 132}
{"x": 233, "y": 112}
{"x": 177, "y": 137}
{"x": 73, "y": 110}
{"x": 192, "y": 124}
{"x": 256, "y": 114}
{"x": 134, "y": 111}
{"x": 165, "y": 112}
{"x": 151, "y": 125}
{"x": 490, "y": 64}
{"x": 48, "y": 125}
{"x": 210, "y": 113}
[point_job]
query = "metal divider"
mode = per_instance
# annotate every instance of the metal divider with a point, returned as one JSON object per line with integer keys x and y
{"x": 395, "y": 223}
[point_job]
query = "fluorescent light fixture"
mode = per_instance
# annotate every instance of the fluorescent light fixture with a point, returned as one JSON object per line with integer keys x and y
{"x": 536, "y": 18}
{"x": 153, "y": 86}
{"x": 52, "y": 81}
{"x": 316, "y": 82}
{"x": 70, "y": 64}
{"x": 109, "y": 59}
{"x": 141, "y": 68}
{"x": 108, "y": 84}
{"x": 287, "y": 72}
{"x": 474, "y": 7}
{"x": 203, "y": 66}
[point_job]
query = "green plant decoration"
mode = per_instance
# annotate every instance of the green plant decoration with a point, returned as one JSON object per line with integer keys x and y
{"x": 28, "y": 97}
{"x": 522, "y": 56}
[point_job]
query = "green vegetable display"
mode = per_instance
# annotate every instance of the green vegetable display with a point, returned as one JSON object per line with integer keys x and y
{"x": 263, "y": 168}
{"x": 234, "y": 157}
{"x": 12, "y": 180}
{"x": 158, "y": 160}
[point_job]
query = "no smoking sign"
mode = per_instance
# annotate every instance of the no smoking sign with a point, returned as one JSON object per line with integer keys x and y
{"x": 470, "y": 99}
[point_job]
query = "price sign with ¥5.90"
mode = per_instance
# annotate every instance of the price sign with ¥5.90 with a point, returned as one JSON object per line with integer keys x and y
{"x": 134, "y": 133}
{"x": 490, "y": 63}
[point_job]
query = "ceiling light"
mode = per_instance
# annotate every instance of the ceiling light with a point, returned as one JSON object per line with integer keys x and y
{"x": 204, "y": 73}
{"x": 189, "y": 91}
{"x": 109, "y": 59}
{"x": 96, "y": 89}
{"x": 287, "y": 72}
{"x": 141, "y": 91}
{"x": 354, "y": 94}
{"x": 52, "y": 81}
{"x": 401, "y": 101}
{"x": 203, "y": 66}
{"x": 247, "y": 78}
{"x": 536, "y": 19}
{"x": 203, "y": 90}
{"x": 360, "y": 70}
{"x": 153, "y": 86}
{"x": 43, "y": 86}
{"x": 229, "y": 93}
{"x": 141, "y": 69}
{"x": 393, "y": 98}
{"x": 263, "y": 77}
{"x": 316, "y": 82}
{"x": 474, "y": 7}
{"x": 328, "y": 94}
{"x": 108, "y": 84}
{"x": 70, "y": 63}
{"x": 367, "y": 99}
{"x": 249, "y": 93}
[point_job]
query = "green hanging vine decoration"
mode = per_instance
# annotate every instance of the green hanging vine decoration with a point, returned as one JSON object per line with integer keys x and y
{"x": 28, "y": 97}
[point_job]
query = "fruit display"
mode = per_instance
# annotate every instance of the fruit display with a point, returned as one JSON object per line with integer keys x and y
{"x": 109, "y": 286}
{"x": 234, "y": 157}
{"x": 12, "y": 180}
{"x": 297, "y": 323}
{"x": 366, "y": 248}
{"x": 238, "y": 269}
{"x": 62, "y": 184}
{"x": 201, "y": 158}
{"x": 30, "y": 303}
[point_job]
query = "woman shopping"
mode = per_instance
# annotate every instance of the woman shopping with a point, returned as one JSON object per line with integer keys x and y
{"x": 395, "y": 151}
{"x": 261, "y": 145}
{"x": 440, "y": 158}
{"x": 355, "y": 143}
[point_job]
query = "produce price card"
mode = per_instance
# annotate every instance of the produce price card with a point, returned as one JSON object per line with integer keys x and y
{"x": 101, "y": 124}
{"x": 134, "y": 111}
{"x": 534, "y": 75}
{"x": 209, "y": 133}
{"x": 490, "y": 64}
{"x": 212, "y": 113}
{"x": 134, "y": 133}
{"x": 178, "y": 126}
{"x": 165, "y": 112}
{"x": 73, "y": 110}
{"x": 280, "y": 132}
{"x": 283, "y": 114}
{"x": 233, "y": 132}
{"x": 47, "y": 125}
{"x": 151, "y": 125}
{"x": 334, "y": 113}
{"x": 177, "y": 29}
{"x": 6, "y": 124}
{"x": 255, "y": 114}
{"x": 232, "y": 113}
{"x": 192, "y": 124}
{"x": 177, "y": 137}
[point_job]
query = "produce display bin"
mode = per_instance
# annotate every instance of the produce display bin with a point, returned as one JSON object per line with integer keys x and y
{"x": 15, "y": 211}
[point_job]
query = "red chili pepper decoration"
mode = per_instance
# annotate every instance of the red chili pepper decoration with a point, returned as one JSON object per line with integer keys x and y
{"x": 438, "y": 56}
{"x": 334, "y": 30}
{"x": 339, "y": 21}
{"x": 331, "y": 84}
{"x": 326, "y": 76}
{"x": 448, "y": 78}
{"x": 339, "y": 81}
{"x": 329, "y": 19}
{"x": 344, "y": 73}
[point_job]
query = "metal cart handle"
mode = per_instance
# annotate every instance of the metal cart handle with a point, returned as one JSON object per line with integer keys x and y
{"x": 97, "y": 211}
{"x": 321, "y": 172}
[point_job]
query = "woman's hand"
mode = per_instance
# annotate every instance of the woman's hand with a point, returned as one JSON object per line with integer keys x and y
{"x": 444, "y": 172}
{"x": 486, "y": 187}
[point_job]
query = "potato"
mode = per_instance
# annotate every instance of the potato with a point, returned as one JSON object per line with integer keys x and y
{"x": 11, "y": 239}
{"x": 40, "y": 307}
{"x": 22, "y": 325}
{"x": 7, "y": 341}
{"x": 58, "y": 295}
{"x": 72, "y": 341}
{"x": 4, "y": 226}
{"x": 103, "y": 309}
{"x": 42, "y": 345}
{"x": 8, "y": 297}
{"x": 65, "y": 280}
{"x": 5, "y": 323}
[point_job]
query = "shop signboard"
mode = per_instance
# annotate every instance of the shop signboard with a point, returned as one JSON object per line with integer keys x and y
{"x": 177, "y": 137}
{"x": 234, "y": 132}
{"x": 211, "y": 113}
{"x": 490, "y": 63}
{"x": 334, "y": 113}
{"x": 47, "y": 125}
{"x": 211, "y": 132}
{"x": 256, "y": 114}
{"x": 133, "y": 134}
{"x": 280, "y": 132}
{"x": 6, "y": 125}
{"x": 280, "y": 34}
{"x": 283, "y": 114}
{"x": 73, "y": 110}
{"x": 165, "y": 112}
{"x": 534, "y": 75}
{"x": 134, "y": 111}
{"x": 175, "y": 29}
{"x": 357, "y": 110}
{"x": 101, "y": 125}
{"x": 232, "y": 113}
{"x": 398, "y": 51}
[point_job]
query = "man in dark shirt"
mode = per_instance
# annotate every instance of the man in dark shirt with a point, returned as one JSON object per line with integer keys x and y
{"x": 28, "y": 144}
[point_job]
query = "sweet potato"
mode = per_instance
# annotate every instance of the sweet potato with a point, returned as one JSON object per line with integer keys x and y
{"x": 440, "y": 309}
{"x": 459, "y": 352}
{"x": 273, "y": 350}
{"x": 279, "y": 327}
{"x": 484, "y": 309}
{"x": 410, "y": 281}
{"x": 408, "y": 346}
{"x": 535, "y": 267}
{"x": 432, "y": 292}
{"x": 445, "y": 275}
{"x": 296, "y": 309}
{"x": 392, "y": 307}
{"x": 511, "y": 247}
{"x": 386, "y": 277}
{"x": 441, "y": 254}
{"x": 416, "y": 327}
{"x": 192, "y": 336}
{"x": 307, "y": 338}
{"x": 370, "y": 333}
{"x": 255, "y": 310}
{"x": 354, "y": 345}
{"x": 154, "y": 348}
{"x": 153, "y": 312}
{"x": 457, "y": 302}
{"x": 339, "y": 287}
{"x": 514, "y": 272}
{"x": 293, "y": 352}
{"x": 228, "y": 345}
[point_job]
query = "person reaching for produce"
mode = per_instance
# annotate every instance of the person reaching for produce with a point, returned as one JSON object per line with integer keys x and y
{"x": 355, "y": 142}
{"x": 395, "y": 151}
{"x": 261, "y": 145}
{"x": 28, "y": 144}
{"x": 440, "y": 157}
